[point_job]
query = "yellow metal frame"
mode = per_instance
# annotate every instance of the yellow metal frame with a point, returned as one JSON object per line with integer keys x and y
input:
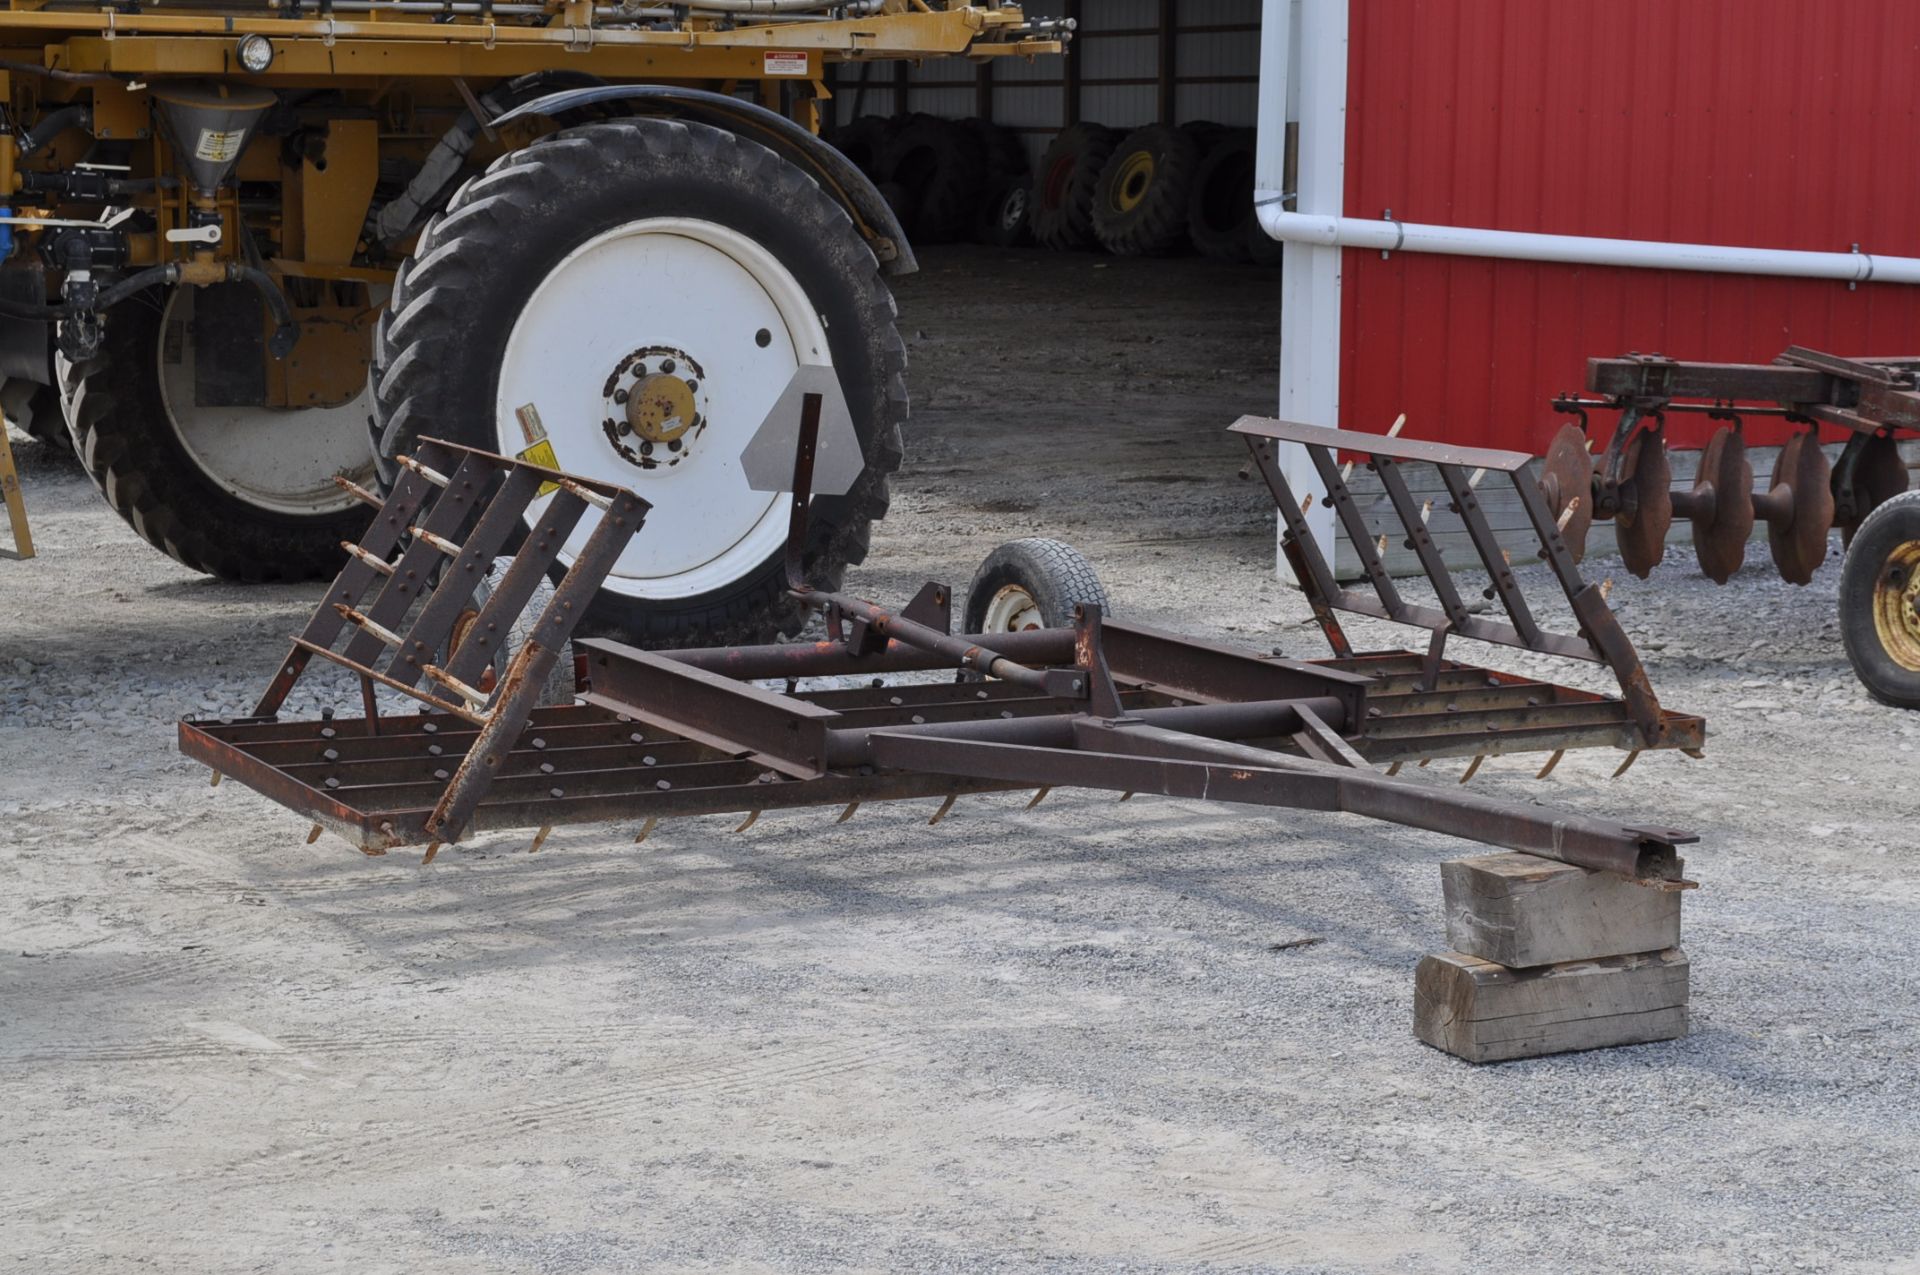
{"x": 16, "y": 503}
{"x": 400, "y": 75}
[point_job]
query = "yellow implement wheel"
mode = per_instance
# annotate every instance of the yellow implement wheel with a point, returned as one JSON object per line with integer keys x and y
{"x": 1896, "y": 605}
{"x": 1880, "y": 602}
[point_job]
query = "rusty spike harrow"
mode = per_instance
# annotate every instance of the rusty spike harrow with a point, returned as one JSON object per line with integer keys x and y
{"x": 1101, "y": 704}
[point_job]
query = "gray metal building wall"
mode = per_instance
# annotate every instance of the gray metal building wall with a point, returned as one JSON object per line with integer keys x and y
{"x": 1133, "y": 62}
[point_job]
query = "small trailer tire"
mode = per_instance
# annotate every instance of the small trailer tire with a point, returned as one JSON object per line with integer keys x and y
{"x": 1032, "y": 584}
{"x": 1880, "y": 602}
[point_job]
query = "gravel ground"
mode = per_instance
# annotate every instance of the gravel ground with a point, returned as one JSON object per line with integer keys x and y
{"x": 1082, "y": 1038}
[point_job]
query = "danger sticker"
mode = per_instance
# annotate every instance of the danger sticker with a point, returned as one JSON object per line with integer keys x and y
{"x": 785, "y": 64}
{"x": 541, "y": 453}
{"x": 539, "y": 449}
{"x": 218, "y": 147}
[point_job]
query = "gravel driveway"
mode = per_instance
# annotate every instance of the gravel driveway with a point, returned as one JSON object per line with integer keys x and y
{"x": 1158, "y": 1036}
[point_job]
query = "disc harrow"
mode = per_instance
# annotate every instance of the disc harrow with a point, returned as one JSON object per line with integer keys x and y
{"x": 936, "y": 715}
{"x": 1873, "y": 402}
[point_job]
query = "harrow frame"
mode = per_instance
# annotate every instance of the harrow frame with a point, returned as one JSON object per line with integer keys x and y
{"x": 1101, "y": 705}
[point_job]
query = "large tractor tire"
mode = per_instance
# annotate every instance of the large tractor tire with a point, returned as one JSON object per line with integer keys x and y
{"x": 1140, "y": 201}
{"x": 1061, "y": 213}
{"x": 237, "y": 490}
{"x": 650, "y": 261}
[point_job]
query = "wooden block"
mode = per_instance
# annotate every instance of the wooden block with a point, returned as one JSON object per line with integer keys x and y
{"x": 1520, "y": 910}
{"x": 1484, "y": 1012}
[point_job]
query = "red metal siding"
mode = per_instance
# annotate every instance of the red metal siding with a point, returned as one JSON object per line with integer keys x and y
{"x": 1767, "y": 123}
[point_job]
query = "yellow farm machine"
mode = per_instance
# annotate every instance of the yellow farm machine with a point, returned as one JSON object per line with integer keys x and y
{"x": 255, "y": 250}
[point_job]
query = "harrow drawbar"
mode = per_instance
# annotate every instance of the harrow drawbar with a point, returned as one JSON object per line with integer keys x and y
{"x": 935, "y": 715}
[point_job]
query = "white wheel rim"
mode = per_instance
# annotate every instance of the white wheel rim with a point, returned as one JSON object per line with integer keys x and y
{"x": 1013, "y": 610}
{"x": 276, "y": 458}
{"x": 695, "y": 287}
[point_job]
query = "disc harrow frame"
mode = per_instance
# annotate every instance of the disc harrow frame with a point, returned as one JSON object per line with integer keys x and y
{"x": 1876, "y": 400}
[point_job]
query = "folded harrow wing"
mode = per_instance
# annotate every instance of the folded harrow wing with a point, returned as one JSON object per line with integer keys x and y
{"x": 1100, "y": 704}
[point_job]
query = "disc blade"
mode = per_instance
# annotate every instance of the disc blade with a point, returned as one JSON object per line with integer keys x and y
{"x": 1566, "y": 480}
{"x": 1800, "y": 545}
{"x": 1720, "y": 530}
{"x": 1641, "y": 531}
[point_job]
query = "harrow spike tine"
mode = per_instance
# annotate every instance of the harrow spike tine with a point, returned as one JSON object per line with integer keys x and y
{"x": 848, "y": 812}
{"x": 945, "y": 806}
{"x": 355, "y": 617}
{"x": 441, "y": 543}
{"x": 1697, "y": 754}
{"x": 313, "y": 833}
{"x": 1395, "y": 768}
{"x": 358, "y": 492}
{"x": 753, "y": 817}
{"x": 1632, "y": 757}
{"x": 1473, "y": 768}
{"x": 1424, "y": 762}
{"x": 587, "y": 494}
{"x": 378, "y": 564}
{"x": 433, "y": 848}
{"x": 646, "y": 829}
{"x": 472, "y": 695}
{"x": 1399, "y": 423}
{"x": 216, "y": 777}
{"x": 1039, "y": 795}
{"x": 1473, "y": 479}
{"x": 540, "y": 838}
{"x": 433, "y": 476}
{"x": 1127, "y": 795}
{"x": 1552, "y": 761}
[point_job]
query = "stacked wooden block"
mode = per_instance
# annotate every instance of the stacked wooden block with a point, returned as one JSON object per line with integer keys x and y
{"x": 1549, "y": 957}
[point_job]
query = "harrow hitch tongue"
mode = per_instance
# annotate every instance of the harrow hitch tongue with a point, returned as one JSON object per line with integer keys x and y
{"x": 734, "y": 730}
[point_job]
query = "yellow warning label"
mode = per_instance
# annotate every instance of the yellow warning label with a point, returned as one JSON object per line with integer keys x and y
{"x": 541, "y": 453}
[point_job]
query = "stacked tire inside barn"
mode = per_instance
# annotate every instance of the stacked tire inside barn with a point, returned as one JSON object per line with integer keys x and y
{"x": 1220, "y": 216}
{"x": 939, "y": 168}
{"x": 1001, "y": 219}
{"x": 1140, "y": 200}
{"x": 1061, "y": 213}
